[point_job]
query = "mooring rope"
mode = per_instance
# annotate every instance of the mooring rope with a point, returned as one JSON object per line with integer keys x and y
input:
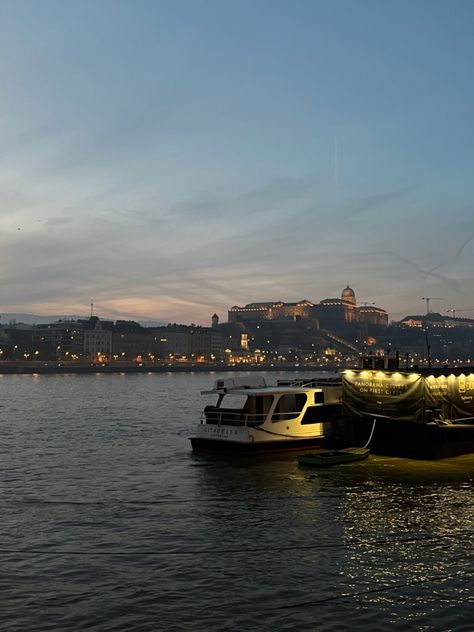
{"x": 371, "y": 434}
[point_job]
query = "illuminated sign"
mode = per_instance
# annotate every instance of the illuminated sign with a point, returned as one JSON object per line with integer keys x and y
{"x": 407, "y": 397}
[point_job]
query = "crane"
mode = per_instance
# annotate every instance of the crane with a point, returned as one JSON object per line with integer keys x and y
{"x": 454, "y": 310}
{"x": 430, "y": 298}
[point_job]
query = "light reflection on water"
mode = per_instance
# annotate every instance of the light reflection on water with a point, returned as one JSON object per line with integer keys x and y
{"x": 152, "y": 537}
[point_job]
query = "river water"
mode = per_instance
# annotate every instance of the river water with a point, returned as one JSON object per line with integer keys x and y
{"x": 110, "y": 523}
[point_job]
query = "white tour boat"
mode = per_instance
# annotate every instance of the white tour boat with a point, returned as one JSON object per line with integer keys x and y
{"x": 250, "y": 416}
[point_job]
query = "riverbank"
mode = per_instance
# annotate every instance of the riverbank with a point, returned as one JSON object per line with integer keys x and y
{"x": 58, "y": 367}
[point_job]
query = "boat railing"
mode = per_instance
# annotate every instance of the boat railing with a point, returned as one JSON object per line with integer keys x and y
{"x": 466, "y": 421}
{"x": 286, "y": 415}
{"x": 235, "y": 417}
{"x": 312, "y": 382}
{"x": 231, "y": 417}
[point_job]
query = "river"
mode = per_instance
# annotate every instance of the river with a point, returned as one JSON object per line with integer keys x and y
{"x": 109, "y": 522}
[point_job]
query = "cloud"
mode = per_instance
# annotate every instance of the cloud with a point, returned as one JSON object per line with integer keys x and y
{"x": 276, "y": 196}
{"x": 464, "y": 244}
{"x": 377, "y": 202}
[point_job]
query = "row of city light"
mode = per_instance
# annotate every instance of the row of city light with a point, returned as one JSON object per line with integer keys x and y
{"x": 380, "y": 375}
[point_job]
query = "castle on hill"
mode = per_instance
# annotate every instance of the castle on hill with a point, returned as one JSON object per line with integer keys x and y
{"x": 328, "y": 311}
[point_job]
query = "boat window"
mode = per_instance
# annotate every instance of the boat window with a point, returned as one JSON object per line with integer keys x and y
{"x": 319, "y": 397}
{"x": 320, "y": 414}
{"x": 289, "y": 406}
{"x": 257, "y": 407}
{"x": 232, "y": 410}
{"x": 252, "y": 409}
{"x": 234, "y": 401}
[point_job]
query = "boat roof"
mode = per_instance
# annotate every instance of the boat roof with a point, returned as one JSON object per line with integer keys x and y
{"x": 423, "y": 371}
{"x": 267, "y": 390}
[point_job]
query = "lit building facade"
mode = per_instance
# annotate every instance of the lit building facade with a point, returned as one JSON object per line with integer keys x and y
{"x": 328, "y": 311}
{"x": 346, "y": 310}
{"x": 189, "y": 342}
{"x": 97, "y": 341}
{"x": 64, "y": 338}
{"x": 337, "y": 310}
{"x": 270, "y": 311}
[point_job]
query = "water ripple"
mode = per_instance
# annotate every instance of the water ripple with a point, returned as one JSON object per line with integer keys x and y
{"x": 110, "y": 523}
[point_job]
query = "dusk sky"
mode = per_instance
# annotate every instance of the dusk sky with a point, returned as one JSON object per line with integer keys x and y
{"x": 174, "y": 158}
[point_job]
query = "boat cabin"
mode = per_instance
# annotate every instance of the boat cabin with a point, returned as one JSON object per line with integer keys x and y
{"x": 247, "y": 405}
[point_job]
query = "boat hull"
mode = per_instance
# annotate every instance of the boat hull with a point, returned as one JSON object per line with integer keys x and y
{"x": 410, "y": 439}
{"x": 218, "y": 446}
{"x": 325, "y": 458}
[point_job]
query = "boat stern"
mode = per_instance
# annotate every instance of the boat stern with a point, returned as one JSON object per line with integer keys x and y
{"x": 214, "y": 436}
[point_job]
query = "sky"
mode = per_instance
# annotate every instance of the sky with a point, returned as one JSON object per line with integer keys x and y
{"x": 171, "y": 159}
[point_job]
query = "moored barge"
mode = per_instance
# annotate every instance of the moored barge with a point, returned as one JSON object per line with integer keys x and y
{"x": 419, "y": 413}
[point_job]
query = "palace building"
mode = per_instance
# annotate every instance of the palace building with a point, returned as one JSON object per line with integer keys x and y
{"x": 328, "y": 311}
{"x": 270, "y": 311}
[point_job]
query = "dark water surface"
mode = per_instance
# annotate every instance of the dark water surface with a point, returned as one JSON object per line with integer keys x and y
{"x": 108, "y": 522}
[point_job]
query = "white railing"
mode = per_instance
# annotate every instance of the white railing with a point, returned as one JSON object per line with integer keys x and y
{"x": 231, "y": 418}
{"x": 312, "y": 382}
{"x": 237, "y": 418}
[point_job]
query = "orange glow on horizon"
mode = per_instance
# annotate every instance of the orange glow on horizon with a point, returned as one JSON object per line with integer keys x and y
{"x": 166, "y": 309}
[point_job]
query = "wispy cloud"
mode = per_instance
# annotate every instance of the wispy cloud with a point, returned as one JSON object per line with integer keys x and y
{"x": 464, "y": 244}
{"x": 152, "y": 160}
{"x": 376, "y": 202}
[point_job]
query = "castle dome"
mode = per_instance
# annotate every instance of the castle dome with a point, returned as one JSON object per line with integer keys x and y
{"x": 348, "y": 295}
